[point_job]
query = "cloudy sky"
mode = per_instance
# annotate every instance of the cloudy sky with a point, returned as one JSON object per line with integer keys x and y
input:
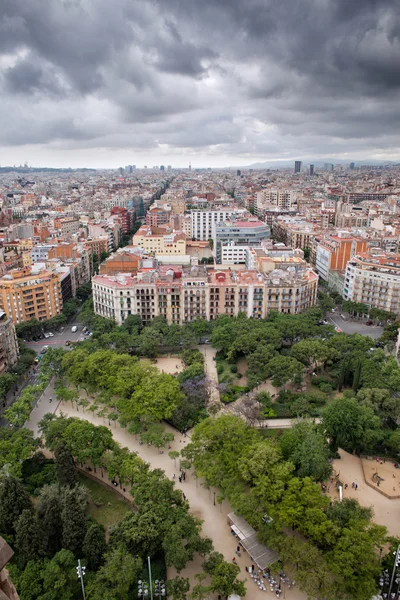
{"x": 103, "y": 83}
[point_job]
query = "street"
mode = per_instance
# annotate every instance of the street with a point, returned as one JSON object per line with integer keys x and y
{"x": 59, "y": 339}
{"x": 352, "y": 326}
{"x": 31, "y": 376}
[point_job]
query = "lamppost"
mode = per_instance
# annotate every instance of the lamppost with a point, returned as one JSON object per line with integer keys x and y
{"x": 385, "y": 581}
{"x": 214, "y": 498}
{"x": 159, "y": 589}
{"x": 143, "y": 590}
{"x": 81, "y": 572}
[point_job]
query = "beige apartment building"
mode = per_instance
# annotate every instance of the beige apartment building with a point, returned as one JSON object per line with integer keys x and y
{"x": 29, "y": 293}
{"x": 160, "y": 242}
{"x": 373, "y": 278}
{"x": 184, "y": 294}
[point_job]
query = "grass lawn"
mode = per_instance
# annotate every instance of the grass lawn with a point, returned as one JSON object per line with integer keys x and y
{"x": 105, "y": 505}
{"x": 271, "y": 433}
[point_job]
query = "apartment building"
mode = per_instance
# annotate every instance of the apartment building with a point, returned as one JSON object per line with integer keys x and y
{"x": 374, "y": 279}
{"x": 231, "y": 237}
{"x": 184, "y": 294}
{"x": 157, "y": 215}
{"x": 126, "y": 217}
{"x": 281, "y": 197}
{"x": 122, "y": 261}
{"x": 202, "y": 221}
{"x": 294, "y": 231}
{"x": 30, "y": 293}
{"x": 67, "y": 226}
{"x": 97, "y": 245}
{"x": 158, "y": 241}
{"x": 334, "y": 252}
{"x": 9, "y": 351}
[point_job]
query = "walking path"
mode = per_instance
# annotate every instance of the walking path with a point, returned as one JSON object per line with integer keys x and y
{"x": 201, "y": 500}
{"x": 211, "y": 372}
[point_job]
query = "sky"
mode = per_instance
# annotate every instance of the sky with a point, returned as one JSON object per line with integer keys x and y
{"x": 105, "y": 83}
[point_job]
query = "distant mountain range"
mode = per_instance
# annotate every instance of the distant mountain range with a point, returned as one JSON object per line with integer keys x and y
{"x": 317, "y": 162}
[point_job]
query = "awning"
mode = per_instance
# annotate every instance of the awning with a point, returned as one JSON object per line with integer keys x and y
{"x": 260, "y": 554}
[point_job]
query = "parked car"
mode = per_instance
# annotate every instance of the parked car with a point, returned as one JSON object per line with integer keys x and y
{"x": 44, "y": 349}
{"x": 74, "y": 329}
{"x": 46, "y": 335}
{"x": 50, "y": 334}
{"x": 37, "y": 359}
{"x": 369, "y": 322}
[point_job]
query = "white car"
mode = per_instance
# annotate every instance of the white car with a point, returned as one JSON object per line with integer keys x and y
{"x": 50, "y": 334}
{"x": 74, "y": 329}
{"x": 46, "y": 335}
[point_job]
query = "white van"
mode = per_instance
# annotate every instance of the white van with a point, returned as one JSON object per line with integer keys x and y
{"x": 74, "y": 328}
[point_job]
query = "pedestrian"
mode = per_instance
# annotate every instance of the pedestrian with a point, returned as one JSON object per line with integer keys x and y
{"x": 252, "y": 567}
{"x": 246, "y": 569}
{"x": 237, "y": 548}
{"x": 184, "y": 497}
{"x": 356, "y": 486}
{"x": 173, "y": 476}
{"x": 180, "y": 479}
{"x": 352, "y": 485}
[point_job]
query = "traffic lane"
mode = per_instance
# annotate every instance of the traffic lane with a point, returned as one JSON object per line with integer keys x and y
{"x": 58, "y": 339}
{"x": 350, "y": 327}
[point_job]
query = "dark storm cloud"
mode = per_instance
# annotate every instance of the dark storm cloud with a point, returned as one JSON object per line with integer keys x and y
{"x": 251, "y": 78}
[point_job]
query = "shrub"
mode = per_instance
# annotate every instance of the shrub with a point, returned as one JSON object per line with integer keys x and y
{"x": 326, "y": 387}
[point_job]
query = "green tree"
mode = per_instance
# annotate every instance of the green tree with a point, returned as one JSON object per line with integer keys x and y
{"x": 94, "y": 546}
{"x": 59, "y": 577}
{"x": 65, "y": 466}
{"x": 29, "y": 541}
{"x": 393, "y": 442}
{"x": 306, "y": 447}
{"x": 383, "y": 402}
{"x": 282, "y": 369}
{"x": 314, "y": 353}
{"x": 73, "y": 520}
{"x": 29, "y": 582}
{"x": 357, "y": 376}
{"x": 49, "y": 511}
{"x": 115, "y": 579}
{"x": 351, "y": 426}
{"x": 15, "y": 447}
{"x": 178, "y": 588}
{"x": 224, "y": 580}
{"x": 13, "y": 501}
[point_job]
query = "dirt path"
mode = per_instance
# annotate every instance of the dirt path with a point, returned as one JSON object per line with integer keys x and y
{"x": 200, "y": 499}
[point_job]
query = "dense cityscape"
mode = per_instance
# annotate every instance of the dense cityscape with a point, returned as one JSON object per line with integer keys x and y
{"x": 177, "y": 305}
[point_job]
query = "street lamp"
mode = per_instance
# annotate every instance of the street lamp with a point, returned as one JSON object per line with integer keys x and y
{"x": 214, "y": 498}
{"x": 386, "y": 581}
{"x": 143, "y": 589}
{"x": 159, "y": 589}
{"x": 81, "y": 572}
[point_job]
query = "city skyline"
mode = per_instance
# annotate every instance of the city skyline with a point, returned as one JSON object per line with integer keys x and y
{"x": 215, "y": 84}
